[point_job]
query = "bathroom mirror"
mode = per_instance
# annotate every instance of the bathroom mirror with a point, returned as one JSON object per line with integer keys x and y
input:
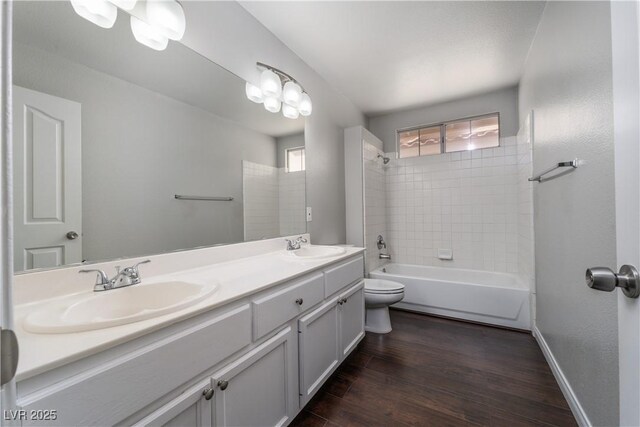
{"x": 107, "y": 132}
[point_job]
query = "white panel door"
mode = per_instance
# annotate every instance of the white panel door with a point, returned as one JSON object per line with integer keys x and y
{"x": 625, "y": 36}
{"x": 319, "y": 352}
{"x": 47, "y": 180}
{"x": 351, "y": 318}
{"x": 256, "y": 390}
{"x": 192, "y": 408}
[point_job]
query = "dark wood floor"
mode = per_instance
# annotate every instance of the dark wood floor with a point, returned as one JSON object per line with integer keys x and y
{"x": 437, "y": 372}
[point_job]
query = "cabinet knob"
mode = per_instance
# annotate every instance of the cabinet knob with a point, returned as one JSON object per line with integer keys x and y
{"x": 299, "y": 301}
{"x": 208, "y": 393}
{"x": 223, "y": 384}
{"x": 341, "y": 301}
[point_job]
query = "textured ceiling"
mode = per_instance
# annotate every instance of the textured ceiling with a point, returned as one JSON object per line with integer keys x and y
{"x": 388, "y": 56}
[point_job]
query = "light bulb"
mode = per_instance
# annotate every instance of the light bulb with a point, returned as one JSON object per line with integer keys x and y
{"x": 100, "y": 12}
{"x": 124, "y": 4}
{"x": 290, "y": 112}
{"x": 270, "y": 84}
{"x": 304, "y": 106}
{"x": 167, "y": 16}
{"x": 272, "y": 104}
{"x": 148, "y": 35}
{"x": 253, "y": 93}
{"x": 291, "y": 93}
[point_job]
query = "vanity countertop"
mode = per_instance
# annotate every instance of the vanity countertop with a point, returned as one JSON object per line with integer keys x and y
{"x": 236, "y": 279}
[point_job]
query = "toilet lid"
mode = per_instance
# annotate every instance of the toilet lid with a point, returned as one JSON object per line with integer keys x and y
{"x": 379, "y": 286}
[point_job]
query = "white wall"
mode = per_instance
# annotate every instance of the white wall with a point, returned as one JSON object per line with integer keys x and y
{"x": 568, "y": 83}
{"x": 504, "y": 101}
{"x": 139, "y": 149}
{"x": 230, "y": 36}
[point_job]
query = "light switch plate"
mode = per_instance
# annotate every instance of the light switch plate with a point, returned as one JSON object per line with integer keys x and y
{"x": 309, "y": 214}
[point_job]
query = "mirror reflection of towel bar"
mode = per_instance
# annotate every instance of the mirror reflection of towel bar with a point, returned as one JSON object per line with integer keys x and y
{"x": 210, "y": 199}
{"x": 572, "y": 164}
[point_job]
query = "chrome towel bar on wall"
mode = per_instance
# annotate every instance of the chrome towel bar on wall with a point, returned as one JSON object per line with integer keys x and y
{"x": 571, "y": 164}
{"x": 208, "y": 199}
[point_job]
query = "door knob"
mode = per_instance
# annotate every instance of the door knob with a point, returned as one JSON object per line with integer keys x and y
{"x": 72, "y": 235}
{"x": 605, "y": 279}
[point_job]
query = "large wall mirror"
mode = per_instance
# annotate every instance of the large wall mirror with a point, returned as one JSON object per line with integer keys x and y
{"x": 107, "y": 132}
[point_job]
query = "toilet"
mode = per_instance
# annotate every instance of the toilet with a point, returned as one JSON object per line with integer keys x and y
{"x": 378, "y": 296}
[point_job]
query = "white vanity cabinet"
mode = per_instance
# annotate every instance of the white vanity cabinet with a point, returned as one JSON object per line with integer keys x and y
{"x": 319, "y": 348}
{"x": 351, "y": 318}
{"x": 327, "y": 336}
{"x": 258, "y": 389}
{"x": 251, "y": 362}
{"x": 191, "y": 408}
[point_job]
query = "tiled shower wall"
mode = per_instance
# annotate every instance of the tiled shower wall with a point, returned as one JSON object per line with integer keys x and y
{"x": 292, "y": 202}
{"x": 274, "y": 201}
{"x": 375, "y": 204}
{"x": 260, "y": 198}
{"x": 467, "y": 202}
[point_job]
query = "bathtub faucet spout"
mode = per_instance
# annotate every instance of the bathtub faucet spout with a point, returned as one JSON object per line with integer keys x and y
{"x": 385, "y": 256}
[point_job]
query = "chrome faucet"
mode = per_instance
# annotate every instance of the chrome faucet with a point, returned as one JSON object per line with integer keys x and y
{"x": 292, "y": 245}
{"x": 126, "y": 277}
{"x": 380, "y": 243}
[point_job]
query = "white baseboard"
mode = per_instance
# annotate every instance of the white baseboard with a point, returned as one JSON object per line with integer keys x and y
{"x": 572, "y": 399}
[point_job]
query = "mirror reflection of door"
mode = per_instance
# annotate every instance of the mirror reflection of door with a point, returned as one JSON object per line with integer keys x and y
{"x": 47, "y": 180}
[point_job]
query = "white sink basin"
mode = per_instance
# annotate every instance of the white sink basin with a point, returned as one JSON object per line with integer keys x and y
{"x": 317, "y": 252}
{"x": 116, "y": 307}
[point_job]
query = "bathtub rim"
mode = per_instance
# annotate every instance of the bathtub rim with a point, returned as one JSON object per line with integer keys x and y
{"x": 521, "y": 283}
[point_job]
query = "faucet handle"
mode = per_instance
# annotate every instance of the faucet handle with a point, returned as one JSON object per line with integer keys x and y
{"x": 101, "y": 279}
{"x": 135, "y": 266}
{"x": 301, "y": 239}
{"x": 134, "y": 274}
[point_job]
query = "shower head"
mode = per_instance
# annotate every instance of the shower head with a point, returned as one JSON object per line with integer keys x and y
{"x": 385, "y": 160}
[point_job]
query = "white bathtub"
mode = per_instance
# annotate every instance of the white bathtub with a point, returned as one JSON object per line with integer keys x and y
{"x": 480, "y": 296}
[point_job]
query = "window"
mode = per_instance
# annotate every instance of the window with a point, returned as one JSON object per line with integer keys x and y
{"x": 458, "y": 135}
{"x": 294, "y": 159}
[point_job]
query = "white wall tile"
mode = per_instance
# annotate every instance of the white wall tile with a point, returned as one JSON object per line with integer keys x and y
{"x": 475, "y": 203}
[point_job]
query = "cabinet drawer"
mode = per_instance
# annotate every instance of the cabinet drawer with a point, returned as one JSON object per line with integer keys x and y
{"x": 340, "y": 276}
{"x": 107, "y": 394}
{"x": 274, "y": 309}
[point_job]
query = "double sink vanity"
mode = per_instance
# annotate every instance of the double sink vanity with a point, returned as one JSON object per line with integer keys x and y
{"x": 230, "y": 325}
{"x": 232, "y": 335}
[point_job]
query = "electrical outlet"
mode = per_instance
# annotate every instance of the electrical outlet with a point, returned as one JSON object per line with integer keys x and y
{"x": 309, "y": 215}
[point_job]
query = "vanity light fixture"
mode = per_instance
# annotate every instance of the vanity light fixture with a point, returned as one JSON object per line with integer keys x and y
{"x": 124, "y": 4}
{"x": 270, "y": 84}
{"x": 100, "y": 12}
{"x": 153, "y": 22}
{"x": 289, "y": 111}
{"x": 291, "y": 98}
{"x": 253, "y": 93}
{"x": 148, "y": 35}
{"x": 291, "y": 93}
{"x": 272, "y": 104}
{"x": 166, "y": 16}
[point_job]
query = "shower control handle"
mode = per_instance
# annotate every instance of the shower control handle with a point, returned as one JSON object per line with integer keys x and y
{"x": 605, "y": 279}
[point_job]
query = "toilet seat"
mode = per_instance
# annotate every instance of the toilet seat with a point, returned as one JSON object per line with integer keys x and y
{"x": 379, "y": 286}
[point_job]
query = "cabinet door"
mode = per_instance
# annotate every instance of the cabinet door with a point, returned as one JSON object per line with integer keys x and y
{"x": 258, "y": 389}
{"x": 319, "y": 351}
{"x": 351, "y": 318}
{"x": 191, "y": 408}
